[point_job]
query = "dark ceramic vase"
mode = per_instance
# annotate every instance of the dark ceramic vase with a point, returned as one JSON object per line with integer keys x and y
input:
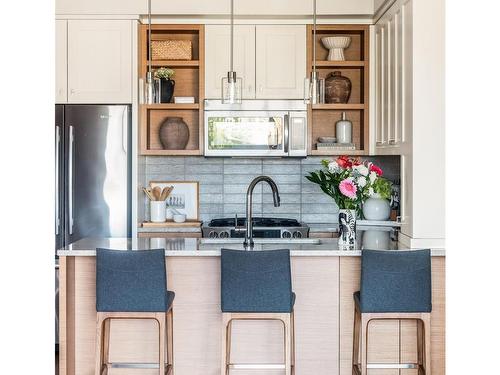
{"x": 166, "y": 90}
{"x": 337, "y": 88}
{"x": 174, "y": 133}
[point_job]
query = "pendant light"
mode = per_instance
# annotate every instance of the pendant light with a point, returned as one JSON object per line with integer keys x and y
{"x": 312, "y": 84}
{"x": 231, "y": 85}
{"x": 148, "y": 85}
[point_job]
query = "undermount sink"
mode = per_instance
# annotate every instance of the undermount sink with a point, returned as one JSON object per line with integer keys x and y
{"x": 263, "y": 241}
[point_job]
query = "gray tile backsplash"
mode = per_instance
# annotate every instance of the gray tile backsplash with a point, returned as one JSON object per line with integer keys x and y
{"x": 224, "y": 181}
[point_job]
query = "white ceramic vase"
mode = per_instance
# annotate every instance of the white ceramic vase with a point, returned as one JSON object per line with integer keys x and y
{"x": 158, "y": 211}
{"x": 347, "y": 228}
{"x": 376, "y": 208}
{"x": 336, "y": 45}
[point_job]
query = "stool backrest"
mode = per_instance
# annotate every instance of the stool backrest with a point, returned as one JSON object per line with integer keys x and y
{"x": 131, "y": 280}
{"x": 256, "y": 281}
{"x": 396, "y": 281}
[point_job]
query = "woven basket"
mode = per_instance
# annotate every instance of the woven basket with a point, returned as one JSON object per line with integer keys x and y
{"x": 171, "y": 50}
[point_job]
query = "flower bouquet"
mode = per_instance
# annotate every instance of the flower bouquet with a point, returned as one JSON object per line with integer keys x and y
{"x": 349, "y": 181}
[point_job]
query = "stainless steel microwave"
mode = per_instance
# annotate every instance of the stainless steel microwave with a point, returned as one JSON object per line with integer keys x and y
{"x": 256, "y": 128}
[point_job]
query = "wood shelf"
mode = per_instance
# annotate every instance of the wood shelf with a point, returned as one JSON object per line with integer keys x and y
{"x": 189, "y": 81}
{"x": 340, "y": 64}
{"x": 171, "y": 152}
{"x": 338, "y": 153}
{"x": 172, "y": 106}
{"x": 322, "y": 117}
{"x": 346, "y": 107}
{"x": 174, "y": 63}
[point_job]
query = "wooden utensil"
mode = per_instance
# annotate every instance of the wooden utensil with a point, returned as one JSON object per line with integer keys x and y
{"x": 157, "y": 193}
{"x": 148, "y": 193}
{"x": 166, "y": 192}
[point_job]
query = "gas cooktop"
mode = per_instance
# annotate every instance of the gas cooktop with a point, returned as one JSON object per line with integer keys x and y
{"x": 263, "y": 227}
{"x": 257, "y": 222}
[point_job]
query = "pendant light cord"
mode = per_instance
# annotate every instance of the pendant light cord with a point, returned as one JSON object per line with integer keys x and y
{"x": 149, "y": 36}
{"x": 314, "y": 36}
{"x": 232, "y": 33}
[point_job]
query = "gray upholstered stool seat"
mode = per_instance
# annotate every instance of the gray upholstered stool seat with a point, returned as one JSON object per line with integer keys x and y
{"x": 257, "y": 285}
{"x": 394, "y": 285}
{"x": 132, "y": 284}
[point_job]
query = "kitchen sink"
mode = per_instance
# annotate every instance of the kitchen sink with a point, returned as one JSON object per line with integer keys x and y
{"x": 262, "y": 241}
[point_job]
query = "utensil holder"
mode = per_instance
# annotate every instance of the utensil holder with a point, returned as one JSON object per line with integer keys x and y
{"x": 158, "y": 211}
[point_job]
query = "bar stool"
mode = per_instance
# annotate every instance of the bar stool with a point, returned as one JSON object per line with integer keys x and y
{"x": 257, "y": 285}
{"x": 394, "y": 285}
{"x": 132, "y": 285}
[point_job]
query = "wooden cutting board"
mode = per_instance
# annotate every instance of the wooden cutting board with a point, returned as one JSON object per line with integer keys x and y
{"x": 171, "y": 224}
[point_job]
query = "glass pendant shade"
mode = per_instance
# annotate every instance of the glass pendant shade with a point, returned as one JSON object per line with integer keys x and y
{"x": 231, "y": 88}
{"x": 149, "y": 89}
{"x": 314, "y": 89}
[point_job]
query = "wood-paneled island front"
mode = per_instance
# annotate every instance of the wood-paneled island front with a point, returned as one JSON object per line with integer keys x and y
{"x": 324, "y": 279}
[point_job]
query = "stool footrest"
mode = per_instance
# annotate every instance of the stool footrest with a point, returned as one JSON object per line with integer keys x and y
{"x": 389, "y": 366}
{"x": 256, "y": 366}
{"x": 145, "y": 365}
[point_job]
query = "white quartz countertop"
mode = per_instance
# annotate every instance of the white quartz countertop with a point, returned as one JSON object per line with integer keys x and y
{"x": 194, "y": 247}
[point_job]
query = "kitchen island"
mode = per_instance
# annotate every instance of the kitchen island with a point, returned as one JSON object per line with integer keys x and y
{"x": 324, "y": 279}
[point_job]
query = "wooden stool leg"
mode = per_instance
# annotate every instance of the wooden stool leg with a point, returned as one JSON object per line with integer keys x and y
{"x": 170, "y": 341}
{"x": 420, "y": 347}
{"x": 226, "y": 318}
{"x": 98, "y": 343}
{"x": 288, "y": 344}
{"x": 355, "y": 341}
{"x": 364, "y": 345}
{"x": 427, "y": 343}
{"x": 161, "y": 319}
{"x": 105, "y": 350}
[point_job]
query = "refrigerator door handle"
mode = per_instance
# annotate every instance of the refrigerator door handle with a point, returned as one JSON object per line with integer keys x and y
{"x": 58, "y": 143}
{"x": 70, "y": 179}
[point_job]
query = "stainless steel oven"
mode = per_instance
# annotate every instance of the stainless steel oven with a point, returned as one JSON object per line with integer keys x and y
{"x": 256, "y": 128}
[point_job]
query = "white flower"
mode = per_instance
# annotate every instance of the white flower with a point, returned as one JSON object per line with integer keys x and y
{"x": 361, "y": 181}
{"x": 333, "y": 166}
{"x": 361, "y": 169}
{"x": 373, "y": 177}
{"x": 370, "y": 191}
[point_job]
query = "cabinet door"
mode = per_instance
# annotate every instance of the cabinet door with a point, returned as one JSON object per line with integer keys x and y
{"x": 61, "y": 61}
{"x": 100, "y": 61}
{"x": 281, "y": 61}
{"x": 217, "y": 58}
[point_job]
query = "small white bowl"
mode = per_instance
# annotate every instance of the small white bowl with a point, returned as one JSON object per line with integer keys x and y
{"x": 327, "y": 140}
{"x": 179, "y": 218}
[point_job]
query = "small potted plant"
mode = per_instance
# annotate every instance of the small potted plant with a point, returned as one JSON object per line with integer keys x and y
{"x": 167, "y": 84}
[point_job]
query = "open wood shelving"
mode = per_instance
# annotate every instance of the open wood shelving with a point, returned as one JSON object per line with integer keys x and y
{"x": 189, "y": 81}
{"x": 322, "y": 117}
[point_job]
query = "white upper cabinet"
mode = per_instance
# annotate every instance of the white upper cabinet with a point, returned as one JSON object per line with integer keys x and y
{"x": 343, "y": 7}
{"x": 280, "y": 61}
{"x": 392, "y": 80}
{"x": 61, "y": 61}
{"x": 217, "y": 58}
{"x": 270, "y": 59}
{"x": 99, "y": 61}
{"x": 216, "y": 7}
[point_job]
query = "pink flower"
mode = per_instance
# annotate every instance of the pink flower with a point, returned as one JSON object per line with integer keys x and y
{"x": 376, "y": 169}
{"x": 348, "y": 188}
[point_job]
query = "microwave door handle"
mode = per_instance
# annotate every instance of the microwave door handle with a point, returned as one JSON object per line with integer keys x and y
{"x": 286, "y": 133}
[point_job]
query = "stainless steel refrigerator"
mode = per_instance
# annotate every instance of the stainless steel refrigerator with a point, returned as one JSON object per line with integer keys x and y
{"x": 93, "y": 172}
